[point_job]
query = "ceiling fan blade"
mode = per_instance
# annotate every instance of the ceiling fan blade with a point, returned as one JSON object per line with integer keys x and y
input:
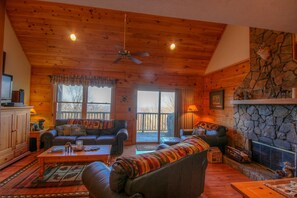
{"x": 135, "y": 60}
{"x": 141, "y": 54}
{"x": 117, "y": 60}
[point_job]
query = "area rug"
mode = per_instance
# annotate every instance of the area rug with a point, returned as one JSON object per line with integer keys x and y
{"x": 146, "y": 147}
{"x": 60, "y": 181}
{"x": 59, "y": 176}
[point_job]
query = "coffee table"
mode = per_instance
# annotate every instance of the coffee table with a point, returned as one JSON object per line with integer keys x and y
{"x": 256, "y": 189}
{"x": 103, "y": 154}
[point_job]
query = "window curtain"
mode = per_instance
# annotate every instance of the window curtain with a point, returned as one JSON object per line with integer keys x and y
{"x": 82, "y": 80}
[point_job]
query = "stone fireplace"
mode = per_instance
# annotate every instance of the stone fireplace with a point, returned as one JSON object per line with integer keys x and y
{"x": 271, "y": 127}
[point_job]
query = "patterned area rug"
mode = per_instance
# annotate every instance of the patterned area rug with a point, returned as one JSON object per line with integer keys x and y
{"x": 60, "y": 181}
{"x": 146, "y": 147}
{"x": 59, "y": 176}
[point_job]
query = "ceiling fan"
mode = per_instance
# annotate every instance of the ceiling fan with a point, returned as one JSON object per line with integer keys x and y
{"x": 124, "y": 53}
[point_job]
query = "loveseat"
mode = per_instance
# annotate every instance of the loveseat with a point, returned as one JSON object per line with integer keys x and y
{"x": 214, "y": 134}
{"x": 91, "y": 132}
{"x": 173, "y": 172}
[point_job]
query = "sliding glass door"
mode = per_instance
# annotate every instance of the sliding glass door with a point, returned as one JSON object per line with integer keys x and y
{"x": 155, "y": 115}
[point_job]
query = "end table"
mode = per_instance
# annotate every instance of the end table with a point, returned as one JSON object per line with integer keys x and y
{"x": 37, "y": 135}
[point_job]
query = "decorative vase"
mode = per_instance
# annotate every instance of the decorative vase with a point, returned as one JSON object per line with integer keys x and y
{"x": 41, "y": 124}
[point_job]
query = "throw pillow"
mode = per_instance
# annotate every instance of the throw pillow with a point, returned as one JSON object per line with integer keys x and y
{"x": 78, "y": 130}
{"x": 60, "y": 130}
{"x": 199, "y": 131}
{"x": 67, "y": 129}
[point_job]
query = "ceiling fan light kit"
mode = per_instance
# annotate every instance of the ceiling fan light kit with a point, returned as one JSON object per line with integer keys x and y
{"x": 124, "y": 53}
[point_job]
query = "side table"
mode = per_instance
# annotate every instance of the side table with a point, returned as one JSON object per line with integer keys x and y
{"x": 37, "y": 135}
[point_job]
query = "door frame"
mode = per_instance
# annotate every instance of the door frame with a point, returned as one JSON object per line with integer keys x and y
{"x": 159, "y": 90}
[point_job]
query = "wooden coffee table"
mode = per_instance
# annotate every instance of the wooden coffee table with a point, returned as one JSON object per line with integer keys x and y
{"x": 103, "y": 154}
{"x": 255, "y": 189}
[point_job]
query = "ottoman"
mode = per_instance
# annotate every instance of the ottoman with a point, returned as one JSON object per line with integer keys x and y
{"x": 170, "y": 140}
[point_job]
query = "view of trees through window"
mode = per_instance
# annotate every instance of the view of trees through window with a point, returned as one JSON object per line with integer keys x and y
{"x": 71, "y": 104}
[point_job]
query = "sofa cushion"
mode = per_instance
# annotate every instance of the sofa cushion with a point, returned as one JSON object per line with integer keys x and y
{"x": 198, "y": 131}
{"x": 211, "y": 133}
{"x": 93, "y": 132}
{"x": 88, "y": 139}
{"x": 60, "y": 130}
{"x": 93, "y": 124}
{"x": 61, "y": 140}
{"x": 106, "y": 124}
{"x": 106, "y": 139}
{"x": 111, "y": 131}
{"x": 64, "y": 130}
{"x": 214, "y": 129}
{"x": 78, "y": 130}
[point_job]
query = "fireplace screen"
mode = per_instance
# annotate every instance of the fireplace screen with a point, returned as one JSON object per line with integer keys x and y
{"x": 270, "y": 156}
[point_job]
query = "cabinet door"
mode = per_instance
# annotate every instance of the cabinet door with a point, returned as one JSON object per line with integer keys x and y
{"x": 22, "y": 131}
{"x": 6, "y": 130}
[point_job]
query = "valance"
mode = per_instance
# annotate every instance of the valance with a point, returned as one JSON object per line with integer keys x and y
{"x": 82, "y": 80}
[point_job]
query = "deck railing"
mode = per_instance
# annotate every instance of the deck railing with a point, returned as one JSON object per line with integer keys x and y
{"x": 90, "y": 115}
{"x": 146, "y": 122}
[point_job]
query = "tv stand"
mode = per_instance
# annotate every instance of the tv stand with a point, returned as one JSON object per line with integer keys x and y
{"x": 15, "y": 132}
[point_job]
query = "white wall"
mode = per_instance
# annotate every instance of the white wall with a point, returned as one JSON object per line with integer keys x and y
{"x": 17, "y": 63}
{"x": 233, "y": 48}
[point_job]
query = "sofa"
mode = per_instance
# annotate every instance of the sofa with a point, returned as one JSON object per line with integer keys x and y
{"x": 91, "y": 132}
{"x": 173, "y": 172}
{"x": 214, "y": 134}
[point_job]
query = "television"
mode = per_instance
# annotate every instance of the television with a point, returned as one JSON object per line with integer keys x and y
{"x": 6, "y": 88}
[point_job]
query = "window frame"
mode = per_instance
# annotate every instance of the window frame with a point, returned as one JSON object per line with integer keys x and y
{"x": 84, "y": 102}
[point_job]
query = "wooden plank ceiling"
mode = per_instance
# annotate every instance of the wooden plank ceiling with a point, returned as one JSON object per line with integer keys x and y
{"x": 43, "y": 29}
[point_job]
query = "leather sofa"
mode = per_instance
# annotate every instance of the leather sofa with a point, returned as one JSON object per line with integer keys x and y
{"x": 214, "y": 134}
{"x": 149, "y": 175}
{"x": 97, "y": 132}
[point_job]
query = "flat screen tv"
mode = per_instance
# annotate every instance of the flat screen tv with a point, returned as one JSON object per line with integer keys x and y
{"x": 6, "y": 88}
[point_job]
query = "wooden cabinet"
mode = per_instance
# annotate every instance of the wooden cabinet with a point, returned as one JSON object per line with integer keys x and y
{"x": 14, "y": 134}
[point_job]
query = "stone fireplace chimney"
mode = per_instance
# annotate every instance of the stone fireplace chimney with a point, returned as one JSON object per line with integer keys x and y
{"x": 273, "y": 74}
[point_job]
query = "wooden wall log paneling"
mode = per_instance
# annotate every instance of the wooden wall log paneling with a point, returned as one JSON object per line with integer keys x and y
{"x": 43, "y": 30}
{"x": 42, "y": 98}
{"x": 227, "y": 79}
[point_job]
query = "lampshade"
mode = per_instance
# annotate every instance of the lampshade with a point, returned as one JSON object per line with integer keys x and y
{"x": 192, "y": 108}
{"x": 33, "y": 112}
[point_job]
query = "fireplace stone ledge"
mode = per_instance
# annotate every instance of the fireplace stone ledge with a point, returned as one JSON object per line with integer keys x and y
{"x": 252, "y": 170}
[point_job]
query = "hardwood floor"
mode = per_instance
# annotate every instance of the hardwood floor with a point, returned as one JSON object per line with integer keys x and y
{"x": 217, "y": 184}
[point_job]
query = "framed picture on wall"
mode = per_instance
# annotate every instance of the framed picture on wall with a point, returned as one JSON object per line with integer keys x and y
{"x": 216, "y": 99}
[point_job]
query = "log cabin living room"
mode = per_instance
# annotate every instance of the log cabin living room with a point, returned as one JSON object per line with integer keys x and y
{"x": 148, "y": 98}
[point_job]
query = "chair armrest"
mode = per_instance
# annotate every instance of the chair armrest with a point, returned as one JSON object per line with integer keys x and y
{"x": 122, "y": 135}
{"x": 52, "y": 132}
{"x": 96, "y": 179}
{"x": 48, "y": 137}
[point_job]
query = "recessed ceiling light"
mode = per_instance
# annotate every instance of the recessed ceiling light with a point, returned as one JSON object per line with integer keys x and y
{"x": 73, "y": 37}
{"x": 172, "y": 46}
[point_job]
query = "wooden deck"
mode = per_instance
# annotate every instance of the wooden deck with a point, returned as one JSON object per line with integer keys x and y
{"x": 218, "y": 178}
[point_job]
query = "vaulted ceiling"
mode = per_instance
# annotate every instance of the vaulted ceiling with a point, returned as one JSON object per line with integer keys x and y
{"x": 43, "y": 29}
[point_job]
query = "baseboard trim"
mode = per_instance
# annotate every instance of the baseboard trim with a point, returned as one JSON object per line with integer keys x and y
{"x": 14, "y": 160}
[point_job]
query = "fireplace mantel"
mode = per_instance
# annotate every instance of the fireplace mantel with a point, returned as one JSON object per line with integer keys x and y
{"x": 274, "y": 101}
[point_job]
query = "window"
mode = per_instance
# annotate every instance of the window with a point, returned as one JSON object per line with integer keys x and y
{"x": 69, "y": 101}
{"x": 75, "y": 102}
{"x": 99, "y": 101}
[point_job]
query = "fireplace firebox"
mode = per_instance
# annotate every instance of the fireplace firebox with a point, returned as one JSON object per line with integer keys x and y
{"x": 272, "y": 157}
